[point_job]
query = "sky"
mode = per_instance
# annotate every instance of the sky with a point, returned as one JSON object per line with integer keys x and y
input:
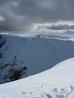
{"x": 21, "y": 15}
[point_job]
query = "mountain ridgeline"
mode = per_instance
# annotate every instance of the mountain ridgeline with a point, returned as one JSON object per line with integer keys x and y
{"x": 21, "y": 57}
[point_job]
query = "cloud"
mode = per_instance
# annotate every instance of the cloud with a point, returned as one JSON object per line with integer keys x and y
{"x": 2, "y": 18}
{"x": 59, "y": 26}
{"x": 20, "y": 15}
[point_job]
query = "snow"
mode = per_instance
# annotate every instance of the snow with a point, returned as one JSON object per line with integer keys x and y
{"x": 42, "y": 84}
{"x": 50, "y": 62}
{"x": 38, "y": 54}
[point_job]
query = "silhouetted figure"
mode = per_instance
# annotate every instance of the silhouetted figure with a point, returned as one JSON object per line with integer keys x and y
{"x": 38, "y": 36}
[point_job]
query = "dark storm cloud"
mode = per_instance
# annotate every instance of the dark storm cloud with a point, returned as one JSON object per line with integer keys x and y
{"x": 17, "y": 15}
{"x": 47, "y": 9}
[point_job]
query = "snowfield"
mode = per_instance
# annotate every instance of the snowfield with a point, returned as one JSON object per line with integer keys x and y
{"x": 54, "y": 83}
{"x": 45, "y": 62}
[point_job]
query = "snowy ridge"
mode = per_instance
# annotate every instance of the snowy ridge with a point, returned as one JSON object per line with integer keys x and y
{"x": 32, "y": 54}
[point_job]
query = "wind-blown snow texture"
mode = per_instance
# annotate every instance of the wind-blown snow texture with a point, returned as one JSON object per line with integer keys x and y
{"x": 23, "y": 55}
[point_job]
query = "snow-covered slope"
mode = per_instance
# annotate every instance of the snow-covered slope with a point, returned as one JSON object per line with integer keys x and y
{"x": 36, "y": 58}
{"x": 57, "y": 82}
{"x": 24, "y": 55}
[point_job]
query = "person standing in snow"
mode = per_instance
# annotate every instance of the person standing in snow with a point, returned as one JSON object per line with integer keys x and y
{"x": 38, "y": 36}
